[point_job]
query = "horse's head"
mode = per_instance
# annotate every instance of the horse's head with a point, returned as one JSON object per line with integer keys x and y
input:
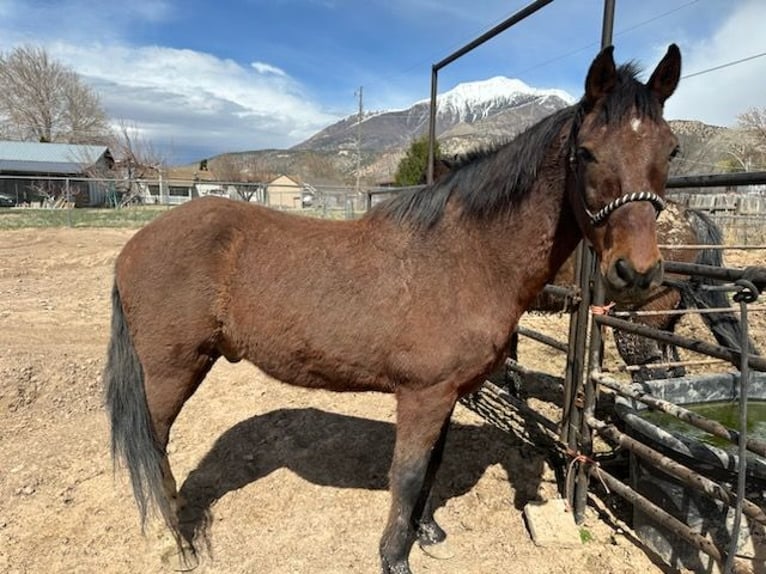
{"x": 620, "y": 148}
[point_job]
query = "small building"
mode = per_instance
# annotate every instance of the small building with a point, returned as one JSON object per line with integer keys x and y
{"x": 34, "y": 172}
{"x": 285, "y": 193}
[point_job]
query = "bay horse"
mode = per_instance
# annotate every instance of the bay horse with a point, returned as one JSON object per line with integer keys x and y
{"x": 417, "y": 298}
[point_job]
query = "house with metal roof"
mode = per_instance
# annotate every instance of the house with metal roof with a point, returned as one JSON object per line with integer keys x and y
{"x": 32, "y": 172}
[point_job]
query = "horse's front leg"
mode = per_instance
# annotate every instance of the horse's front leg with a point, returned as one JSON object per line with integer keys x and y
{"x": 428, "y": 531}
{"x": 421, "y": 427}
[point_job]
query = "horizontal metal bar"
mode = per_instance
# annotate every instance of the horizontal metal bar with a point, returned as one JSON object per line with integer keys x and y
{"x": 708, "y": 311}
{"x": 717, "y": 180}
{"x": 756, "y": 272}
{"x": 543, "y": 338}
{"x": 393, "y": 190}
{"x": 734, "y": 357}
{"x": 673, "y": 364}
{"x": 562, "y": 291}
{"x": 676, "y": 469}
{"x": 698, "y": 246}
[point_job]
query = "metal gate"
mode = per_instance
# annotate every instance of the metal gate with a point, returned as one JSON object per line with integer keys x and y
{"x": 573, "y": 436}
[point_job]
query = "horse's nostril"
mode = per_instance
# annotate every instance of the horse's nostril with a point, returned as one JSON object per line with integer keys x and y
{"x": 644, "y": 280}
{"x": 654, "y": 275}
{"x": 624, "y": 271}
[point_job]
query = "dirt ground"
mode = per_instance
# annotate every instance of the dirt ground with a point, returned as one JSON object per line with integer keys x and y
{"x": 295, "y": 480}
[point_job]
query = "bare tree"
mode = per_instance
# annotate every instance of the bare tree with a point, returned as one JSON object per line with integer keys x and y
{"x": 752, "y": 125}
{"x": 43, "y": 100}
{"x": 134, "y": 159}
{"x": 246, "y": 174}
{"x": 754, "y": 121}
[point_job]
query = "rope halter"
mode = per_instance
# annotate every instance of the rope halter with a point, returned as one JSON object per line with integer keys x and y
{"x": 602, "y": 214}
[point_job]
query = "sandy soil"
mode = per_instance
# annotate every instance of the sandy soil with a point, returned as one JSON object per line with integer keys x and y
{"x": 295, "y": 480}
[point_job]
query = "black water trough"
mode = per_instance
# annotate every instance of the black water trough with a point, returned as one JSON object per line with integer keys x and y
{"x": 707, "y": 516}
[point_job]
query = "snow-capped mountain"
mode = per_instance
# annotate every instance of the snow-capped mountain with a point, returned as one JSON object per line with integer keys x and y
{"x": 473, "y": 101}
{"x": 497, "y": 107}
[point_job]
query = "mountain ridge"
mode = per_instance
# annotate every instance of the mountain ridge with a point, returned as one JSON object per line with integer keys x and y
{"x": 470, "y": 115}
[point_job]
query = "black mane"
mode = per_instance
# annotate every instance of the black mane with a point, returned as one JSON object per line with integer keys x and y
{"x": 490, "y": 181}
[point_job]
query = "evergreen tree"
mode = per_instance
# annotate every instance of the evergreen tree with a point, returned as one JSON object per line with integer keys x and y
{"x": 414, "y": 165}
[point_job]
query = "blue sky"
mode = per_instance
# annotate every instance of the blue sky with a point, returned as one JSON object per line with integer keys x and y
{"x": 198, "y": 78}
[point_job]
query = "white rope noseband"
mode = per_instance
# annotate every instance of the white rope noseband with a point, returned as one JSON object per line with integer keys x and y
{"x": 600, "y": 216}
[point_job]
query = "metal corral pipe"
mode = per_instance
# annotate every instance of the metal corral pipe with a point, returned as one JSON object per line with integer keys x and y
{"x": 755, "y": 273}
{"x": 742, "y": 445}
{"x": 697, "y": 247}
{"x": 710, "y": 426}
{"x": 665, "y": 519}
{"x": 682, "y": 473}
{"x": 707, "y": 311}
{"x": 542, "y": 338}
{"x": 561, "y": 291}
{"x": 717, "y": 180}
{"x": 578, "y": 335}
{"x": 673, "y": 364}
{"x": 755, "y": 361}
{"x": 607, "y": 26}
{"x": 590, "y": 395}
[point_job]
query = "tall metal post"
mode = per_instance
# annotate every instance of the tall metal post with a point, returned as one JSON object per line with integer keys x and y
{"x": 359, "y": 141}
{"x": 584, "y": 390}
{"x": 432, "y": 125}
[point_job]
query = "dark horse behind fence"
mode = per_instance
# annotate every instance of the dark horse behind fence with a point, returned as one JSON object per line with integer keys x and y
{"x": 418, "y": 298}
{"x": 677, "y": 226}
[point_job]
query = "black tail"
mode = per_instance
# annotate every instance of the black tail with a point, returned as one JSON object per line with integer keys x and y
{"x": 726, "y": 327}
{"x": 133, "y": 438}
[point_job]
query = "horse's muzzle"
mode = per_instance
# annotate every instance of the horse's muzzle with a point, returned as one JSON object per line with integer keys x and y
{"x": 625, "y": 284}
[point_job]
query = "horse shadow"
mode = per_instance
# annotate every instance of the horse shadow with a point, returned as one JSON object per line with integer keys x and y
{"x": 331, "y": 449}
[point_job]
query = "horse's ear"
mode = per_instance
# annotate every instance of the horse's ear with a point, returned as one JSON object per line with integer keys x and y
{"x": 665, "y": 77}
{"x": 602, "y": 76}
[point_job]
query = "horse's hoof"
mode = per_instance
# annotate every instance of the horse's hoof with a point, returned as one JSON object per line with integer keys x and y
{"x": 184, "y": 560}
{"x": 398, "y": 568}
{"x": 439, "y": 550}
{"x": 430, "y": 533}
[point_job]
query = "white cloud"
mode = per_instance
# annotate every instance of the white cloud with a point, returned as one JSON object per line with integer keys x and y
{"x": 719, "y": 96}
{"x": 193, "y": 99}
{"x": 263, "y": 68}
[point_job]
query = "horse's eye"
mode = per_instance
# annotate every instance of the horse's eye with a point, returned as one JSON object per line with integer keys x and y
{"x": 675, "y": 153}
{"x": 585, "y": 155}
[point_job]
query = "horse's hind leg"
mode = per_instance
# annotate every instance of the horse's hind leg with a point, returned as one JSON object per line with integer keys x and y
{"x": 166, "y": 392}
{"x": 422, "y": 419}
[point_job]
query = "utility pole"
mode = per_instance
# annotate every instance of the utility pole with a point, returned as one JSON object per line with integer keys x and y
{"x": 359, "y": 139}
